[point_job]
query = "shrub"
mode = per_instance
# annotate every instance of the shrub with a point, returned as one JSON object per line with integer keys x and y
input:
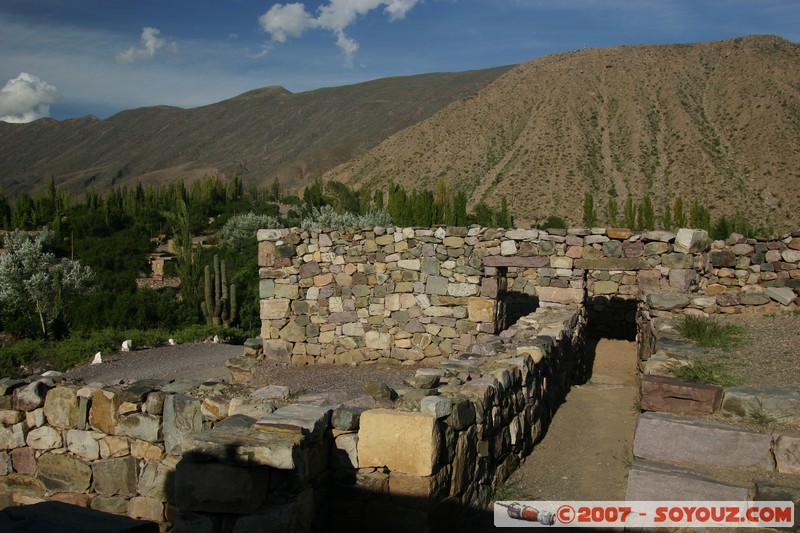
{"x": 241, "y": 229}
{"x": 327, "y": 217}
{"x": 554, "y": 222}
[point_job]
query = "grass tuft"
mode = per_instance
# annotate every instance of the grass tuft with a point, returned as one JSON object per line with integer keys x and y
{"x": 708, "y": 333}
{"x": 708, "y": 373}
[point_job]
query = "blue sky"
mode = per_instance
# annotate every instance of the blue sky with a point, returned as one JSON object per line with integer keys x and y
{"x": 69, "y": 58}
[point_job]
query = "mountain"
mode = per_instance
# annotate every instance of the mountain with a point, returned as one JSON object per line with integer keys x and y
{"x": 262, "y": 135}
{"x": 715, "y": 122}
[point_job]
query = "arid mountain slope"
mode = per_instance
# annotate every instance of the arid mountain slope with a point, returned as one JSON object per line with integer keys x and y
{"x": 261, "y": 135}
{"x": 718, "y": 122}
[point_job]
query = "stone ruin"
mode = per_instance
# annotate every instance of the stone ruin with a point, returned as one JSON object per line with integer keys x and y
{"x": 495, "y": 319}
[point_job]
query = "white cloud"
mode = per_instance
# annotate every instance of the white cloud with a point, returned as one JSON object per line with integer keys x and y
{"x": 151, "y": 43}
{"x": 292, "y": 20}
{"x": 26, "y": 98}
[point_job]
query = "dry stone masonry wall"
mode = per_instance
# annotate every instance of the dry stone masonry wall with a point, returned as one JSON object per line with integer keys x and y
{"x": 349, "y": 296}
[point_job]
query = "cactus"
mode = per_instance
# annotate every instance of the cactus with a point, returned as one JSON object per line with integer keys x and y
{"x": 220, "y": 305}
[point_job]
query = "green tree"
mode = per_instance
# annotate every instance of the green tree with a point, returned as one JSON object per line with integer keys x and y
{"x": 589, "y": 213}
{"x": 646, "y": 215}
{"x": 459, "y": 212}
{"x": 504, "y": 219}
{"x": 699, "y": 217}
{"x": 678, "y": 213}
{"x": 612, "y": 211}
{"x": 630, "y": 213}
{"x": 186, "y": 254}
{"x": 35, "y": 284}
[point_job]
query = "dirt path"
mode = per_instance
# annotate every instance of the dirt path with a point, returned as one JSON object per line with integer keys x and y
{"x": 587, "y": 450}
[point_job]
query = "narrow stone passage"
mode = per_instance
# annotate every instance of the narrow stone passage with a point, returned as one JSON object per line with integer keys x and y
{"x": 587, "y": 450}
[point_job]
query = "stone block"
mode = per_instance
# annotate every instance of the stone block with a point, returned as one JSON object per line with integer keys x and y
{"x": 344, "y": 454}
{"x": 61, "y": 407}
{"x": 277, "y": 350}
{"x": 12, "y": 437}
{"x": 23, "y": 460}
{"x": 436, "y": 406}
{"x": 667, "y": 301}
{"x": 516, "y": 261}
{"x": 787, "y": 454}
{"x": 112, "y": 447}
{"x": 115, "y": 477}
{"x": 347, "y": 418}
{"x": 560, "y": 295}
{"x": 782, "y": 295}
{"x": 652, "y": 481}
{"x": 31, "y": 396}
{"x": 213, "y": 487}
{"x": 605, "y": 287}
{"x": 84, "y": 444}
{"x": 63, "y": 473}
{"x": 142, "y": 426}
{"x": 274, "y": 309}
{"x": 666, "y": 437}
{"x": 104, "y": 413}
{"x": 777, "y": 403}
{"x": 402, "y": 441}
{"x": 669, "y": 395}
{"x": 113, "y": 505}
{"x": 311, "y": 421}
{"x": 44, "y": 438}
{"x": 144, "y": 508}
{"x": 481, "y": 310}
{"x": 691, "y": 240}
{"x": 182, "y": 418}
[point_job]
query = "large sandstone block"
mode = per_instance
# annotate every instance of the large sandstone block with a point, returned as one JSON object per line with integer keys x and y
{"x": 63, "y": 473}
{"x": 669, "y": 395}
{"x": 115, "y": 477}
{"x": 787, "y": 454}
{"x": 691, "y": 240}
{"x": 274, "y": 309}
{"x": 422, "y": 492}
{"x": 651, "y": 481}
{"x": 402, "y": 441}
{"x": 560, "y": 295}
{"x": 61, "y": 407}
{"x": 182, "y": 418}
{"x": 104, "y": 413}
{"x": 665, "y": 437}
{"x": 310, "y": 421}
{"x": 481, "y": 310}
{"x": 777, "y": 403}
{"x": 141, "y": 426}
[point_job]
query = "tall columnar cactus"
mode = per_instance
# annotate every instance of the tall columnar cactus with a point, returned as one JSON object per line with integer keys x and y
{"x": 219, "y": 305}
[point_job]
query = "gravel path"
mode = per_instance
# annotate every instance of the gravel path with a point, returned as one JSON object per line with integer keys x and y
{"x": 184, "y": 361}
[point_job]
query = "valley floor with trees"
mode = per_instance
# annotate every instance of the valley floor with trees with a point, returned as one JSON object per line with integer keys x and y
{"x": 68, "y": 274}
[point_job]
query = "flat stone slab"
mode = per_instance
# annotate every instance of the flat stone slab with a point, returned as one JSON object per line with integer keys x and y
{"x": 613, "y": 263}
{"x": 672, "y": 438}
{"x": 670, "y": 395}
{"x": 652, "y": 481}
{"x": 516, "y": 261}
{"x": 307, "y": 420}
{"x": 778, "y": 403}
{"x": 241, "y": 445}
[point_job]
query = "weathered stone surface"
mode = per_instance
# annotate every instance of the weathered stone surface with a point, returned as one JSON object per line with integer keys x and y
{"x": 606, "y": 287}
{"x": 61, "y": 407}
{"x": 560, "y": 295}
{"x": 722, "y": 258}
{"x": 274, "y": 309}
{"x": 115, "y": 477}
{"x": 31, "y": 396}
{"x": 63, "y": 473}
{"x": 481, "y": 310}
{"x": 403, "y": 442}
{"x": 782, "y": 295}
{"x": 669, "y": 395}
{"x": 104, "y": 413}
{"x": 142, "y": 426}
{"x": 311, "y": 421}
{"x": 182, "y": 418}
{"x": 277, "y": 350}
{"x": 347, "y": 418}
{"x": 344, "y": 454}
{"x": 155, "y": 481}
{"x": 753, "y": 298}
{"x": 665, "y": 437}
{"x": 84, "y": 443}
{"x": 144, "y": 508}
{"x": 12, "y": 437}
{"x": 691, "y": 240}
{"x": 44, "y": 438}
{"x": 787, "y": 454}
{"x": 279, "y": 450}
{"x": 436, "y": 406}
{"x": 113, "y": 505}
{"x": 779, "y": 404}
{"x": 220, "y": 488}
{"x": 667, "y": 301}
{"x": 658, "y": 235}
{"x": 651, "y": 481}
{"x": 271, "y": 392}
{"x": 112, "y": 447}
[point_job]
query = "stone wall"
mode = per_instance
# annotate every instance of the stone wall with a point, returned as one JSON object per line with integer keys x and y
{"x": 349, "y": 296}
{"x": 218, "y": 457}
